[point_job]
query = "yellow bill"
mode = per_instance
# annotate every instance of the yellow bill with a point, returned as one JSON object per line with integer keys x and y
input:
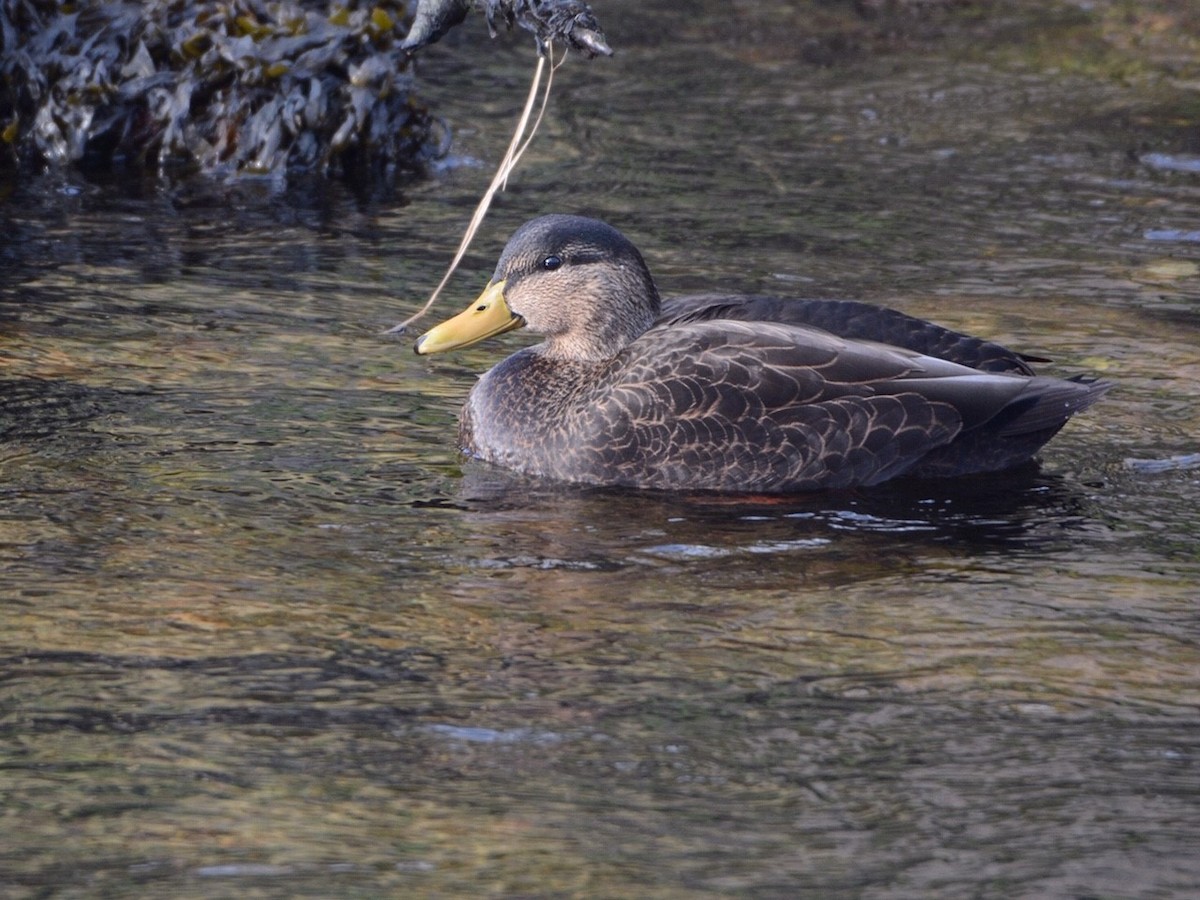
{"x": 486, "y": 317}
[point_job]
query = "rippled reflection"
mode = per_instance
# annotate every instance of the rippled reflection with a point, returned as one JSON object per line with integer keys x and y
{"x": 265, "y": 632}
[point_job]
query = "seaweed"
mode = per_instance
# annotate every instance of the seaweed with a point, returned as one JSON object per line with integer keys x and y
{"x": 237, "y": 87}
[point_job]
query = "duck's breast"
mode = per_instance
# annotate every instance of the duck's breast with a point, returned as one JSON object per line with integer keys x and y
{"x": 530, "y": 413}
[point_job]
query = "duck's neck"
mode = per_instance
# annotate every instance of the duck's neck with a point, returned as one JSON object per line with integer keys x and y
{"x": 580, "y": 349}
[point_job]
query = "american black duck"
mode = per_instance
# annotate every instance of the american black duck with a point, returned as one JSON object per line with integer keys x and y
{"x": 730, "y": 393}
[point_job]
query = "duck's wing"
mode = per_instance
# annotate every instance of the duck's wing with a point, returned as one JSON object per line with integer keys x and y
{"x": 728, "y": 405}
{"x": 854, "y": 320}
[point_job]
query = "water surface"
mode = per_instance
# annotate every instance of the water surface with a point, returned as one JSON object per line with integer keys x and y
{"x": 265, "y": 634}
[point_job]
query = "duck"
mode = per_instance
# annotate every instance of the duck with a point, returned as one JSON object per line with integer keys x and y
{"x": 726, "y": 392}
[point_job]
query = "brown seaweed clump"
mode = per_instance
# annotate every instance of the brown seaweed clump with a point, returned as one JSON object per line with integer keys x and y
{"x": 242, "y": 86}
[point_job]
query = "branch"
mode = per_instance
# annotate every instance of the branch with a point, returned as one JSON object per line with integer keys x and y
{"x": 567, "y": 22}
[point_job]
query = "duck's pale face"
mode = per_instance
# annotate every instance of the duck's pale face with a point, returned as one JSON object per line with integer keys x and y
{"x": 576, "y": 281}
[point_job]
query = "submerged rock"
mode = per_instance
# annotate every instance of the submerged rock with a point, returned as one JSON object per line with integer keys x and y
{"x": 247, "y": 86}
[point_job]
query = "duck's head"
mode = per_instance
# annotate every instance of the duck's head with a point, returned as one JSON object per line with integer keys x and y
{"x": 577, "y": 281}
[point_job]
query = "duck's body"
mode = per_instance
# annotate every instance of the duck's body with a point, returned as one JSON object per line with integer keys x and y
{"x": 731, "y": 393}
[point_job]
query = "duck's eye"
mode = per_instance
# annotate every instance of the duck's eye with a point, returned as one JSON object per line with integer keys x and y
{"x": 550, "y": 263}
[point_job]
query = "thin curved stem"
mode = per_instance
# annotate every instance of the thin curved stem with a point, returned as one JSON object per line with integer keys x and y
{"x": 516, "y": 148}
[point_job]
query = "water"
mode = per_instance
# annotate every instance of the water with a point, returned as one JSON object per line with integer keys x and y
{"x": 264, "y": 634}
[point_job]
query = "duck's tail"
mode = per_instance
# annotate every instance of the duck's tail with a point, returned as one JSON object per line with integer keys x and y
{"x": 1016, "y": 432}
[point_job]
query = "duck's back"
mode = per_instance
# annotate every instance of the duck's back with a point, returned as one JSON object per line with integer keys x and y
{"x": 854, "y": 320}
